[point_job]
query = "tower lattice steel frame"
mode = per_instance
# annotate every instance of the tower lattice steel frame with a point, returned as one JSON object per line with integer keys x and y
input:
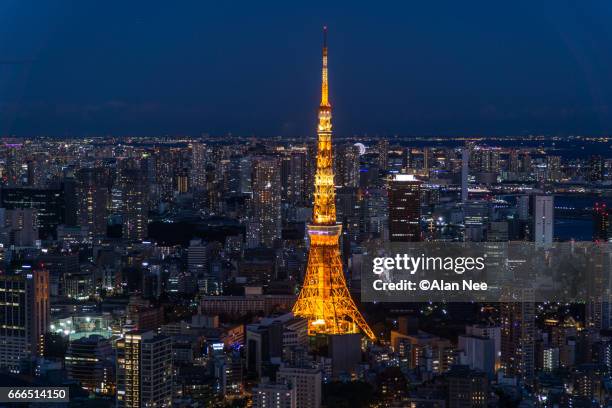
{"x": 325, "y": 300}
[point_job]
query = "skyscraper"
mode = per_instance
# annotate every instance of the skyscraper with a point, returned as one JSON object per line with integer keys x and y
{"x": 88, "y": 361}
{"x": 93, "y": 198}
{"x": 267, "y": 395}
{"x": 144, "y": 370}
{"x": 543, "y": 219}
{"x": 347, "y": 165}
{"x": 198, "y": 165}
{"x": 307, "y": 384}
{"x": 596, "y": 168}
{"x": 24, "y": 316}
{"x": 601, "y": 222}
{"x": 294, "y": 171}
{"x": 518, "y": 333}
{"x": 48, "y": 205}
{"x": 465, "y": 160}
{"x": 383, "y": 154}
{"x": 134, "y": 201}
{"x": 404, "y": 208}
{"x": 267, "y": 200}
{"x": 324, "y": 299}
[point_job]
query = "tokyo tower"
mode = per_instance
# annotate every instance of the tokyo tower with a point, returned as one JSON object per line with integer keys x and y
{"x": 325, "y": 300}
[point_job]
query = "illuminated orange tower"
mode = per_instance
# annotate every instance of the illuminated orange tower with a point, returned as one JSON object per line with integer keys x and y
{"x": 325, "y": 300}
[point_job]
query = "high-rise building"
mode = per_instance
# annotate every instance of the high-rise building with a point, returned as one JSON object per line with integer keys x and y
{"x": 197, "y": 257}
{"x": 465, "y": 169}
{"x": 71, "y": 206}
{"x": 24, "y": 316}
{"x": 267, "y": 200}
{"x": 134, "y": 209}
{"x": 596, "y": 168}
{"x": 49, "y": 206}
{"x": 475, "y": 219}
{"x": 543, "y": 219}
{"x": 478, "y": 353}
{"x": 18, "y": 227}
{"x": 553, "y": 168}
{"x": 404, "y": 208}
{"x": 87, "y": 361}
{"x": 347, "y": 163}
{"x": 144, "y": 370}
{"x": 182, "y": 181}
{"x": 324, "y": 300}
{"x": 267, "y": 395}
{"x": 293, "y": 177}
{"x": 518, "y": 333}
{"x": 490, "y": 332}
{"x": 383, "y": 154}
{"x": 306, "y": 382}
{"x": 601, "y": 222}
{"x": 93, "y": 196}
{"x": 198, "y": 165}
{"x": 513, "y": 161}
{"x": 467, "y": 388}
{"x": 550, "y": 359}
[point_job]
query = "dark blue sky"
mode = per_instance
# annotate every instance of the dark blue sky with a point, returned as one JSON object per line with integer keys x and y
{"x": 410, "y": 68}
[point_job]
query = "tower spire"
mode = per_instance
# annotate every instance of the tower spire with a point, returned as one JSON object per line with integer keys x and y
{"x": 324, "y": 81}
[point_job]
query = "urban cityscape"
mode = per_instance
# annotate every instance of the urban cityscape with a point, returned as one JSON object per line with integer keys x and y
{"x": 208, "y": 271}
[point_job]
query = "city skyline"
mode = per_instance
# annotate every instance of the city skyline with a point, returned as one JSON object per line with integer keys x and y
{"x": 275, "y": 260}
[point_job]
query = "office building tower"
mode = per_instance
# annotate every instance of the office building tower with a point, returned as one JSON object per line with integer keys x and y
{"x": 518, "y": 333}
{"x": 490, "y": 332}
{"x": 347, "y": 165}
{"x": 134, "y": 208}
{"x": 49, "y": 206}
{"x": 293, "y": 177}
{"x": 197, "y": 257}
{"x": 465, "y": 169}
{"x": 596, "y": 168}
{"x": 93, "y": 193}
{"x": 182, "y": 181}
{"x": 522, "y": 207}
{"x": 382, "y": 146}
{"x": 404, "y": 208}
{"x": 246, "y": 175}
{"x": 306, "y": 382}
{"x": 513, "y": 162}
{"x": 478, "y": 353}
{"x": 467, "y": 388}
{"x": 266, "y": 340}
{"x": 71, "y": 205}
{"x": 88, "y": 361}
{"x": 475, "y": 219}
{"x": 198, "y": 165}
{"x": 24, "y": 317}
{"x": 553, "y": 168}
{"x": 144, "y": 370}
{"x": 601, "y": 222}
{"x": 18, "y": 227}
{"x": 267, "y": 200}
{"x": 14, "y": 157}
{"x": 267, "y": 395}
{"x": 550, "y": 359}
{"x": 543, "y": 219}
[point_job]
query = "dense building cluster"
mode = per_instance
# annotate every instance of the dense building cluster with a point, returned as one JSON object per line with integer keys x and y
{"x": 151, "y": 272}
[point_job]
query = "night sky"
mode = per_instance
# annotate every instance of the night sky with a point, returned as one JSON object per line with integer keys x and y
{"x": 74, "y": 68}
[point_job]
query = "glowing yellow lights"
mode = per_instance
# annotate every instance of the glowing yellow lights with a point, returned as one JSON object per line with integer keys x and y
{"x": 325, "y": 299}
{"x": 318, "y": 322}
